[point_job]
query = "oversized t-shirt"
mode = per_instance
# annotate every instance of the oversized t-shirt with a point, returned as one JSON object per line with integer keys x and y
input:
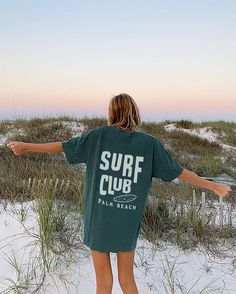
{"x": 120, "y": 166}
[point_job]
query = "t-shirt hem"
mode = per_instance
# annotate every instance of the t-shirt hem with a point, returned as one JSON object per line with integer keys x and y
{"x": 108, "y": 250}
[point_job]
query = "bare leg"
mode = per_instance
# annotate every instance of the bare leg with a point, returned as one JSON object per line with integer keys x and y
{"x": 125, "y": 261}
{"x": 103, "y": 271}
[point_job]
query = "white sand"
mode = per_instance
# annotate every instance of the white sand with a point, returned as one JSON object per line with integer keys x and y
{"x": 204, "y": 133}
{"x": 151, "y": 272}
{"x": 76, "y": 129}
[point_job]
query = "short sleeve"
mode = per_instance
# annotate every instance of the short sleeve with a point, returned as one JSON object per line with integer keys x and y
{"x": 165, "y": 166}
{"x": 76, "y": 149}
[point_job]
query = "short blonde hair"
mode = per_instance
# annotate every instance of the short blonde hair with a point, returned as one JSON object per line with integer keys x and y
{"x": 123, "y": 113}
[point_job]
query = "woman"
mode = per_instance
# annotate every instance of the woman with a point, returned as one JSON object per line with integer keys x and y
{"x": 121, "y": 163}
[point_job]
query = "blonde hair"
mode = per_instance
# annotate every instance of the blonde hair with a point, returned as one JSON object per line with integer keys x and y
{"x": 123, "y": 113}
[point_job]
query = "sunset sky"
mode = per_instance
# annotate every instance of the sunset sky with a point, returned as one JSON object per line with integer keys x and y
{"x": 175, "y": 58}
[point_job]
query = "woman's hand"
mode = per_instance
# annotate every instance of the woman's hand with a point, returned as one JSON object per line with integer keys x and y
{"x": 17, "y": 147}
{"x": 221, "y": 189}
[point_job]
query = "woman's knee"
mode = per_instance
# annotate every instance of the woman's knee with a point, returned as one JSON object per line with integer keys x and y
{"x": 104, "y": 288}
{"x": 128, "y": 286}
{"x": 105, "y": 281}
{"x": 125, "y": 261}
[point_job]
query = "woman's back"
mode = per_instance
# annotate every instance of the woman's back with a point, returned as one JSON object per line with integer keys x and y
{"x": 120, "y": 167}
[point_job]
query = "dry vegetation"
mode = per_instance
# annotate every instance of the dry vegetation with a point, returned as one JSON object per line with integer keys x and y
{"x": 192, "y": 152}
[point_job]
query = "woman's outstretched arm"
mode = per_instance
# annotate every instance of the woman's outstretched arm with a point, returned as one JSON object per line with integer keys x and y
{"x": 192, "y": 178}
{"x": 21, "y": 147}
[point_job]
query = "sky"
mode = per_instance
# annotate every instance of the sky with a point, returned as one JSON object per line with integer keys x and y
{"x": 175, "y": 58}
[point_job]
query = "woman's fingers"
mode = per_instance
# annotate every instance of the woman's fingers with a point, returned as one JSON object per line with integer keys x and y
{"x": 223, "y": 190}
{"x": 227, "y": 190}
{"x": 16, "y": 147}
{"x": 9, "y": 144}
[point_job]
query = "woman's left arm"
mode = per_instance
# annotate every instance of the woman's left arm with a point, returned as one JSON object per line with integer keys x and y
{"x": 192, "y": 178}
{"x": 21, "y": 147}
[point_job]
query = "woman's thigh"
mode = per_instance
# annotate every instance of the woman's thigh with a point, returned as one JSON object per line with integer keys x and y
{"x": 125, "y": 264}
{"x": 102, "y": 266}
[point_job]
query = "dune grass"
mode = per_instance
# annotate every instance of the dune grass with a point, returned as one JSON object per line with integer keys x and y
{"x": 51, "y": 248}
{"x": 192, "y": 152}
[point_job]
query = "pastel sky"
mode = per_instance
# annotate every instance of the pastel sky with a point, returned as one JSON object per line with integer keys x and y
{"x": 175, "y": 58}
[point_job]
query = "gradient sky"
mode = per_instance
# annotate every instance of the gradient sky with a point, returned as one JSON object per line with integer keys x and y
{"x": 175, "y": 58}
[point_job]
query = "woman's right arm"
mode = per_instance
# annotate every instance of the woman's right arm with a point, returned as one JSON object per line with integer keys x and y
{"x": 21, "y": 147}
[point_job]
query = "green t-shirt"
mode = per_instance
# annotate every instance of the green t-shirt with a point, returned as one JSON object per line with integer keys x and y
{"x": 119, "y": 171}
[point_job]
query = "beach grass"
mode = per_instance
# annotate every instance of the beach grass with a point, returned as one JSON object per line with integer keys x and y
{"x": 57, "y": 235}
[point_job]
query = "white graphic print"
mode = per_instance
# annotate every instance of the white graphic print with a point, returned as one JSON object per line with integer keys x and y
{"x": 130, "y": 168}
{"x": 125, "y": 198}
